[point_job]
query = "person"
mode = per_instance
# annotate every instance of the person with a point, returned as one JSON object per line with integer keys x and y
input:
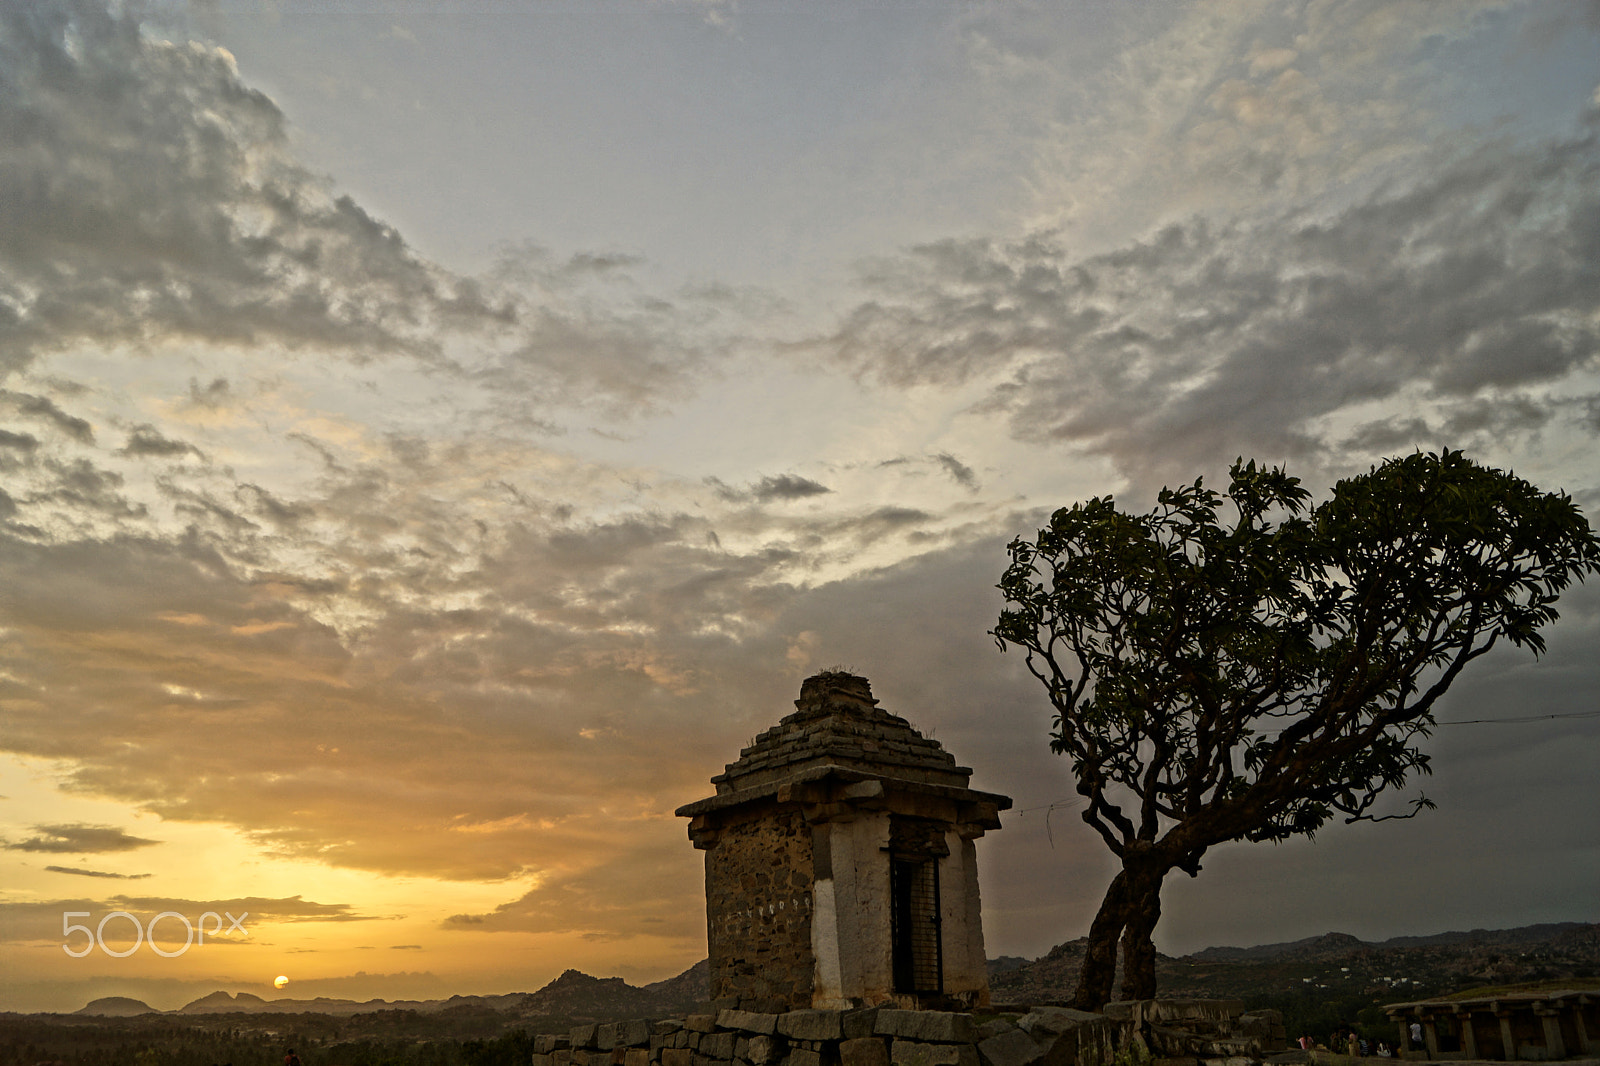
{"x": 1416, "y": 1037}
{"x": 1352, "y": 1045}
{"x": 291, "y": 1059}
{"x": 1383, "y": 1051}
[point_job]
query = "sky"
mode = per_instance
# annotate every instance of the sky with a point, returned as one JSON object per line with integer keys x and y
{"x": 435, "y": 437}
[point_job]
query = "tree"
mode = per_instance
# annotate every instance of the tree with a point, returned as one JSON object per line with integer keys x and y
{"x": 1249, "y": 680}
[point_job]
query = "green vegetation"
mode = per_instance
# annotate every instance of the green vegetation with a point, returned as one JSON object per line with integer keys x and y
{"x": 1557, "y": 985}
{"x": 1319, "y": 1015}
{"x": 1251, "y": 679}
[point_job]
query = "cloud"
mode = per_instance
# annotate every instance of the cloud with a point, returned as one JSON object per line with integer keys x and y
{"x": 260, "y": 908}
{"x": 96, "y": 873}
{"x": 80, "y": 840}
{"x": 40, "y": 920}
{"x": 148, "y": 441}
{"x": 1238, "y": 108}
{"x": 213, "y": 395}
{"x": 787, "y": 487}
{"x": 960, "y": 472}
{"x": 1471, "y": 285}
{"x": 781, "y": 487}
{"x": 169, "y": 206}
{"x": 154, "y": 199}
{"x": 620, "y": 898}
{"x": 18, "y": 442}
{"x": 229, "y": 664}
{"x": 393, "y": 620}
{"x": 44, "y": 408}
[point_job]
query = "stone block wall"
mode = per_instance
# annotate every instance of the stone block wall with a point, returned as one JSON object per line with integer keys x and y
{"x": 758, "y": 911}
{"x": 1038, "y": 1036}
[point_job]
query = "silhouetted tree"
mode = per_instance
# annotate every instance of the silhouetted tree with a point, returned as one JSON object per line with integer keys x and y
{"x": 1249, "y": 679}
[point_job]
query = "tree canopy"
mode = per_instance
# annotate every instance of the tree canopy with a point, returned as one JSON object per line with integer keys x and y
{"x": 1236, "y": 666}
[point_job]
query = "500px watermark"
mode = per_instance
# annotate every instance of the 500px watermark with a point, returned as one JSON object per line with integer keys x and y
{"x": 143, "y": 933}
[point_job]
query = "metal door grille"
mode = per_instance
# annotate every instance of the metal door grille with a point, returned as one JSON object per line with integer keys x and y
{"x": 918, "y": 952}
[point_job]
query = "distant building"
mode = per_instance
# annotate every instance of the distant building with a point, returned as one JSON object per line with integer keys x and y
{"x": 840, "y": 865}
{"x": 1507, "y": 1026}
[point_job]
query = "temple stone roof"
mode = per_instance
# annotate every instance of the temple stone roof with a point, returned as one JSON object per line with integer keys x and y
{"x": 837, "y": 723}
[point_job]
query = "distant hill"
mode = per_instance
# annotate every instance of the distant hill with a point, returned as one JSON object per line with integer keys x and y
{"x": 1334, "y": 965}
{"x": 117, "y": 1007}
{"x": 226, "y": 1003}
{"x": 1342, "y": 943}
{"x": 571, "y": 998}
{"x": 691, "y": 986}
{"x": 1326, "y": 967}
{"x": 580, "y": 997}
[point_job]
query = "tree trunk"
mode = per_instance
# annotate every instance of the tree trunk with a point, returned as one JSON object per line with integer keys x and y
{"x": 1100, "y": 961}
{"x": 1128, "y": 916}
{"x": 1138, "y": 949}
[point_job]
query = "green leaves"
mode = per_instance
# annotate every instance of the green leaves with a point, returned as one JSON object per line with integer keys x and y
{"x": 1235, "y": 666}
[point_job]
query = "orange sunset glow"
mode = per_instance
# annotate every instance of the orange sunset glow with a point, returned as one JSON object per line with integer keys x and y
{"x": 436, "y": 438}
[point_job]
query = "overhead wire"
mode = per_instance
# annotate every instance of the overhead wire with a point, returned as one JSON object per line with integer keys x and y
{"x": 1063, "y": 805}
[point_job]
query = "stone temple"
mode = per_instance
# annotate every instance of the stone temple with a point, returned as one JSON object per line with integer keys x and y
{"x": 840, "y": 866}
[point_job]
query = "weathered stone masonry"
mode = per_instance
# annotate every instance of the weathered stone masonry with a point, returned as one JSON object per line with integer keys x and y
{"x": 760, "y": 929}
{"x": 841, "y": 871}
{"x": 1509, "y": 1026}
{"x": 1144, "y": 1033}
{"x": 870, "y": 1037}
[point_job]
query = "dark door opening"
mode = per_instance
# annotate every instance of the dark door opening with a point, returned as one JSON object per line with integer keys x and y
{"x": 914, "y": 931}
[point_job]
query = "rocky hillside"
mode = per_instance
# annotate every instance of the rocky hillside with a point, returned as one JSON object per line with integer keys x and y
{"x": 1336, "y": 965}
{"x": 117, "y": 1007}
{"x": 1331, "y": 967}
{"x": 572, "y": 997}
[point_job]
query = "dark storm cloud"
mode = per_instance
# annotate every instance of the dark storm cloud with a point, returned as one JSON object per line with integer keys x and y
{"x": 80, "y": 840}
{"x": 1475, "y": 283}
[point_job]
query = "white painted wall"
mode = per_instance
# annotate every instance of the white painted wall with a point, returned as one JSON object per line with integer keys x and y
{"x": 851, "y": 946}
{"x": 850, "y": 926}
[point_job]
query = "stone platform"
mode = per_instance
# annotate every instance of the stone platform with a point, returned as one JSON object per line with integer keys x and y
{"x": 1142, "y": 1033}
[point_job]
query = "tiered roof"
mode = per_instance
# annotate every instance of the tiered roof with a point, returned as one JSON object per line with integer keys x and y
{"x": 838, "y": 723}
